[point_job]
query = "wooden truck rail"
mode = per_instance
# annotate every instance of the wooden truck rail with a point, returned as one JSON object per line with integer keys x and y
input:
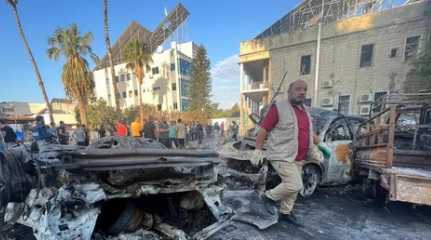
{"x": 404, "y": 171}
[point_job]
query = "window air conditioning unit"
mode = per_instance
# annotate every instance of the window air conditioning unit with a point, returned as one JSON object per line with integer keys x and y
{"x": 365, "y": 98}
{"x": 327, "y": 102}
{"x": 327, "y": 84}
{"x": 364, "y": 110}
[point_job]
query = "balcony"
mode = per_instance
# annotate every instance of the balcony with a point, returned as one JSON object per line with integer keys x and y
{"x": 255, "y": 78}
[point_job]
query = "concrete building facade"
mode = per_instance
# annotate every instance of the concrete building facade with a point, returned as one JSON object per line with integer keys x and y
{"x": 166, "y": 78}
{"x": 361, "y": 58}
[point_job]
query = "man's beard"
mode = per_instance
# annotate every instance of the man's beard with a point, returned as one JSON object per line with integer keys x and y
{"x": 296, "y": 101}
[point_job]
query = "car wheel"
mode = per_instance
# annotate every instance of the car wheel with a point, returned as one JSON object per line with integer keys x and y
{"x": 310, "y": 178}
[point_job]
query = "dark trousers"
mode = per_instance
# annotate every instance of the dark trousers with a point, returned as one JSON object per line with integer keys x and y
{"x": 180, "y": 142}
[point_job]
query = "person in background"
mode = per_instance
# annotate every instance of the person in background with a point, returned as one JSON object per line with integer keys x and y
{"x": 222, "y": 129}
{"x": 9, "y": 135}
{"x": 216, "y": 127}
{"x": 52, "y": 131}
{"x": 234, "y": 129}
{"x": 199, "y": 132}
{"x": 19, "y": 134}
{"x": 87, "y": 135}
{"x": 181, "y": 133}
{"x": 150, "y": 129}
{"x": 79, "y": 135}
{"x": 40, "y": 134}
{"x": 136, "y": 128}
{"x": 63, "y": 137}
{"x": 102, "y": 131}
{"x": 173, "y": 135}
{"x": 164, "y": 133}
{"x": 121, "y": 129}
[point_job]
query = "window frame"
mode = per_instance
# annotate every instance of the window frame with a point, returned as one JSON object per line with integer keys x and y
{"x": 362, "y": 62}
{"x": 302, "y": 68}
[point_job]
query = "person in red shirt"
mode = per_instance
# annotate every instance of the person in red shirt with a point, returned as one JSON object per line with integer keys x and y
{"x": 121, "y": 129}
{"x": 288, "y": 128}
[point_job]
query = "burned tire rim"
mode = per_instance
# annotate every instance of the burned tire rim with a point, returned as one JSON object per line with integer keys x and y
{"x": 310, "y": 178}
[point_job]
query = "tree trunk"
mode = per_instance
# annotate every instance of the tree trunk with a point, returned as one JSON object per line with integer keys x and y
{"x": 141, "y": 106}
{"x": 111, "y": 61}
{"x": 35, "y": 67}
{"x": 83, "y": 112}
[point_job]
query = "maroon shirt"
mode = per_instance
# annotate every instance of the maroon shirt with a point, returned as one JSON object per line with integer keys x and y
{"x": 271, "y": 121}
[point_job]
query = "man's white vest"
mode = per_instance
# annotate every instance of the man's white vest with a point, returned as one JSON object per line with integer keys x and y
{"x": 283, "y": 139}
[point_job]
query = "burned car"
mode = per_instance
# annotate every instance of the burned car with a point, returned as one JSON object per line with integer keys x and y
{"x": 118, "y": 188}
{"x": 335, "y": 132}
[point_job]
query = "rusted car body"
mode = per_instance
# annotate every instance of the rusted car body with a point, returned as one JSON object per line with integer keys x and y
{"x": 120, "y": 186}
{"x": 335, "y": 132}
{"x": 393, "y": 148}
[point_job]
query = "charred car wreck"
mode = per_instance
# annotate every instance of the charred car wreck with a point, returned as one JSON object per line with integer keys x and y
{"x": 335, "y": 133}
{"x": 118, "y": 188}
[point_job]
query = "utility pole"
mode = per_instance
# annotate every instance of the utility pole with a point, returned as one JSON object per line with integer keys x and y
{"x": 316, "y": 73}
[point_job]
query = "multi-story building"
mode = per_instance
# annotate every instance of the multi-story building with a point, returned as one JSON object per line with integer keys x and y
{"x": 365, "y": 51}
{"x": 63, "y": 110}
{"x": 166, "y": 78}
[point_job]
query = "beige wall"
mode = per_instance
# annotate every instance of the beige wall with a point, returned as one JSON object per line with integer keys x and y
{"x": 340, "y": 53}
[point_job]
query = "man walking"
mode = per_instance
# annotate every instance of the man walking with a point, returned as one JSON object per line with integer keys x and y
{"x": 290, "y": 137}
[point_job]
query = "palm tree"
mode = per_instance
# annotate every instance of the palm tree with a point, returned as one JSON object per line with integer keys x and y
{"x": 137, "y": 55}
{"x": 108, "y": 47}
{"x": 77, "y": 79}
{"x": 13, "y": 4}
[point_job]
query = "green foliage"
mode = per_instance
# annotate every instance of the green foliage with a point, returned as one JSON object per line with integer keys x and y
{"x": 200, "y": 86}
{"x": 130, "y": 114}
{"x": 76, "y": 76}
{"x": 419, "y": 77}
{"x": 99, "y": 113}
{"x": 216, "y": 112}
{"x": 137, "y": 55}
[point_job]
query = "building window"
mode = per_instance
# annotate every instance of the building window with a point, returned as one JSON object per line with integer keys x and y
{"x": 148, "y": 68}
{"x": 130, "y": 93}
{"x": 122, "y": 77}
{"x": 394, "y": 52}
{"x": 185, "y": 67}
{"x": 155, "y": 70}
{"x": 117, "y": 79}
{"x": 366, "y": 55}
{"x": 412, "y": 45}
{"x": 344, "y": 104}
{"x": 128, "y": 77}
{"x": 159, "y": 107}
{"x": 156, "y": 89}
{"x": 172, "y": 67}
{"x": 124, "y": 94}
{"x": 174, "y": 86}
{"x": 305, "y": 65}
{"x": 175, "y": 106}
{"x": 136, "y": 92}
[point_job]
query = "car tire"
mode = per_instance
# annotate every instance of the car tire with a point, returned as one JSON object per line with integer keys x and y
{"x": 311, "y": 177}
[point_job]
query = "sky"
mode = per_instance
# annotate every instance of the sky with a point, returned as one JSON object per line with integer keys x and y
{"x": 219, "y": 25}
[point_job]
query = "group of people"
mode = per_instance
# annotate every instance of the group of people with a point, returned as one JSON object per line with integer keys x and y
{"x": 172, "y": 134}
